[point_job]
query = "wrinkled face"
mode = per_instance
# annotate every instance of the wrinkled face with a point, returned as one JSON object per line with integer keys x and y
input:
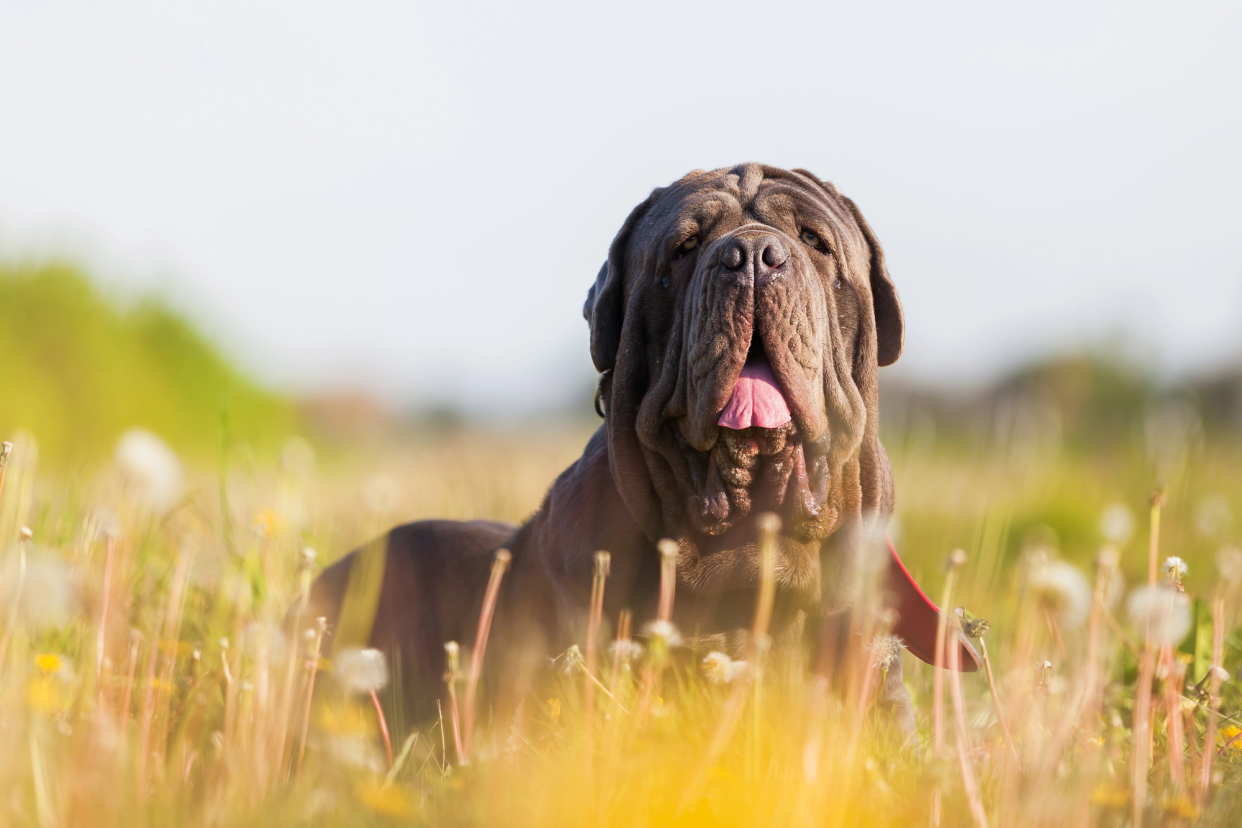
{"x": 743, "y": 314}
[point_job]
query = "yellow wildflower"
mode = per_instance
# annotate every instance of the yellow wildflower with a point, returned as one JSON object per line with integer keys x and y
{"x": 1181, "y": 806}
{"x": 1109, "y": 795}
{"x": 388, "y": 800}
{"x": 46, "y": 694}
{"x": 49, "y": 662}
{"x": 342, "y": 719}
{"x": 1226, "y": 735}
{"x": 268, "y": 523}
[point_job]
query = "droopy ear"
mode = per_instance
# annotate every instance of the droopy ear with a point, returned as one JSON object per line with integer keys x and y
{"x": 890, "y": 323}
{"x": 604, "y": 309}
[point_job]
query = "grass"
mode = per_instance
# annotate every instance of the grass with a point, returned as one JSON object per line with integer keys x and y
{"x": 143, "y": 679}
{"x": 81, "y": 367}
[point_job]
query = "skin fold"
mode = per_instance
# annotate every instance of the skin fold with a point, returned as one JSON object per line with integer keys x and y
{"x": 745, "y": 263}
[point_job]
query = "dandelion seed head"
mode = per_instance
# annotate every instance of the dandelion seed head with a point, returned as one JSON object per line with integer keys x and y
{"x": 1175, "y": 568}
{"x": 885, "y": 649}
{"x": 360, "y": 671}
{"x": 151, "y": 468}
{"x": 264, "y": 642}
{"x": 1117, "y": 524}
{"x": 663, "y": 631}
{"x": 1160, "y": 612}
{"x": 1229, "y": 562}
{"x": 1062, "y": 590}
{"x": 626, "y": 651}
{"x": 720, "y": 669}
{"x": 569, "y": 661}
{"x": 49, "y": 594}
{"x": 1213, "y": 518}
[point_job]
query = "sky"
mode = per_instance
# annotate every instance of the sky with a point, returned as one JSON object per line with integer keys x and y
{"x": 411, "y": 199}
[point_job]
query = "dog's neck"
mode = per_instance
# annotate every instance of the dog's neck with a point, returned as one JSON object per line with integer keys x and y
{"x": 583, "y": 513}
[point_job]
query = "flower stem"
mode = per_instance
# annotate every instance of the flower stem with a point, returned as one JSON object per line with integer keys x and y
{"x": 379, "y": 714}
{"x": 499, "y": 565}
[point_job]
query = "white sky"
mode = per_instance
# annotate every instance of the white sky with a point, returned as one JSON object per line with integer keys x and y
{"x": 412, "y": 198}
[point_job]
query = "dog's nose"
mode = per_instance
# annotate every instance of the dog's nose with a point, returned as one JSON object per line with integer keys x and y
{"x": 761, "y": 254}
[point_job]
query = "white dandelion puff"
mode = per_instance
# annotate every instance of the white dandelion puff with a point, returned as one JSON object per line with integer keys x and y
{"x": 1162, "y": 613}
{"x": 569, "y": 661}
{"x": 360, "y": 671}
{"x": 886, "y": 649}
{"x": 1229, "y": 562}
{"x": 49, "y": 595}
{"x": 1175, "y": 569}
{"x": 151, "y": 468}
{"x": 1213, "y": 518}
{"x": 663, "y": 631}
{"x": 627, "y": 651}
{"x": 264, "y": 642}
{"x": 1062, "y": 590}
{"x": 1117, "y": 523}
{"x": 720, "y": 669}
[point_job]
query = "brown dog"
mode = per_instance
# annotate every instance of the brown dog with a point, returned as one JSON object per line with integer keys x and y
{"x": 738, "y": 327}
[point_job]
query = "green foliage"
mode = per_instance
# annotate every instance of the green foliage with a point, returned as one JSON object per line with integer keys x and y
{"x": 77, "y": 370}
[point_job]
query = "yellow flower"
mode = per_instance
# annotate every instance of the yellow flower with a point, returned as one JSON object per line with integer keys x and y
{"x": 553, "y": 706}
{"x": 48, "y": 662}
{"x": 343, "y": 719}
{"x": 1226, "y": 735}
{"x": 1181, "y": 806}
{"x": 45, "y": 694}
{"x": 269, "y": 523}
{"x": 1110, "y": 796}
{"x": 389, "y": 800}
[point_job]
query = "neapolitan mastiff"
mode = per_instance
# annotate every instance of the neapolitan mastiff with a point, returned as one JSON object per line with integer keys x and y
{"x": 738, "y": 326}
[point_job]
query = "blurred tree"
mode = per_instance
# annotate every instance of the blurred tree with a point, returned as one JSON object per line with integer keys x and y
{"x": 77, "y": 370}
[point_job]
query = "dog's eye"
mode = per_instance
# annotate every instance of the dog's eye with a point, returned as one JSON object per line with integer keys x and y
{"x": 686, "y": 246}
{"x": 812, "y": 239}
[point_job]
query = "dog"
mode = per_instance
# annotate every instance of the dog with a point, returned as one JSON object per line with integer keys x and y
{"x": 738, "y": 327}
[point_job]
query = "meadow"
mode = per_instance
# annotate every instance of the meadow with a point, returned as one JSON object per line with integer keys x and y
{"x": 147, "y": 680}
{"x": 1083, "y": 524}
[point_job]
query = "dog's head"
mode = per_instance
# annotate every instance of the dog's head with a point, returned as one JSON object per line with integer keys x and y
{"x": 738, "y": 324}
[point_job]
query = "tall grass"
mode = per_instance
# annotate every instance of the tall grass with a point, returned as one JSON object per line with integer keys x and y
{"x": 146, "y": 679}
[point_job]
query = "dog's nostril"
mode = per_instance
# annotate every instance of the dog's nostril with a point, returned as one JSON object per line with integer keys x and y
{"x": 774, "y": 255}
{"x": 733, "y": 257}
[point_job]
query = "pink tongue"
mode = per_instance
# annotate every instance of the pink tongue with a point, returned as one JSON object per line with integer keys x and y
{"x": 757, "y": 400}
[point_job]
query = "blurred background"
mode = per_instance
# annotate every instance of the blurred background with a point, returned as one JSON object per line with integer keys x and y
{"x": 366, "y": 226}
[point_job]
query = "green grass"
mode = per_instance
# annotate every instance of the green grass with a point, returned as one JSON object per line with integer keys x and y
{"x": 78, "y": 368}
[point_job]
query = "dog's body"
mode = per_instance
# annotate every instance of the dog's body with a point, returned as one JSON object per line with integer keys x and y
{"x": 738, "y": 326}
